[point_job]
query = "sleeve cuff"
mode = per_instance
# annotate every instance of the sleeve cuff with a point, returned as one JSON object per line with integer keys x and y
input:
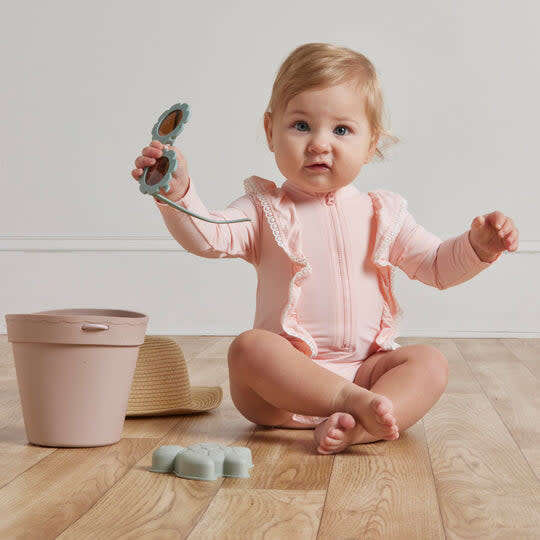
{"x": 184, "y": 200}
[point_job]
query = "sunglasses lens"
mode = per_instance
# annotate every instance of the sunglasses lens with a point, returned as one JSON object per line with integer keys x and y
{"x": 157, "y": 171}
{"x": 170, "y": 122}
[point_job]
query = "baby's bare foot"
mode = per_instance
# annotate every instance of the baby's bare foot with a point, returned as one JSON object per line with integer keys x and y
{"x": 373, "y": 411}
{"x": 334, "y": 434}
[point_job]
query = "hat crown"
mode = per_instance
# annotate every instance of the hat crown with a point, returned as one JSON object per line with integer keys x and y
{"x": 161, "y": 382}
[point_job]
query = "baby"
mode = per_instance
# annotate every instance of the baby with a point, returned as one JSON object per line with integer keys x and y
{"x": 321, "y": 353}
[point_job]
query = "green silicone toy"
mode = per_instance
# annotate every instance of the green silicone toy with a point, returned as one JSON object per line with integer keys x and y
{"x": 169, "y": 125}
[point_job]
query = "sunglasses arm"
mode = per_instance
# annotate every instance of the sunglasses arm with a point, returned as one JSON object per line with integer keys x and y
{"x": 165, "y": 200}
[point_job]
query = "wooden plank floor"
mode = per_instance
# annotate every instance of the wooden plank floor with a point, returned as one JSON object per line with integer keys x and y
{"x": 469, "y": 469}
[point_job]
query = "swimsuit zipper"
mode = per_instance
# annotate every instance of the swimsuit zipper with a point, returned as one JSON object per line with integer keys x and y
{"x": 330, "y": 201}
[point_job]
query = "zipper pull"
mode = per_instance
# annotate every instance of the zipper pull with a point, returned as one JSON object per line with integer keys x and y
{"x": 330, "y": 199}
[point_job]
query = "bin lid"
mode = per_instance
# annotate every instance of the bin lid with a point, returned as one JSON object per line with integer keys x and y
{"x": 78, "y": 326}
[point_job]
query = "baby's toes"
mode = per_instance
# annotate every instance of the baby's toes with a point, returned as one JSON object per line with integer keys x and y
{"x": 326, "y": 445}
{"x": 333, "y": 440}
{"x": 330, "y": 445}
{"x": 334, "y": 436}
{"x": 391, "y": 432}
{"x": 383, "y": 408}
{"x": 387, "y": 419}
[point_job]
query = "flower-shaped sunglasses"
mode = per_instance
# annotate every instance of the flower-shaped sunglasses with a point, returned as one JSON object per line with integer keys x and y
{"x": 169, "y": 125}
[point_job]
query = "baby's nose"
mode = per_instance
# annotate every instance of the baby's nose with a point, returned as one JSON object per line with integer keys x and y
{"x": 319, "y": 144}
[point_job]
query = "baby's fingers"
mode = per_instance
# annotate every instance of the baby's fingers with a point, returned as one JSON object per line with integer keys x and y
{"x": 160, "y": 147}
{"x": 148, "y": 157}
{"x": 144, "y": 161}
{"x": 153, "y": 150}
{"x": 511, "y": 241}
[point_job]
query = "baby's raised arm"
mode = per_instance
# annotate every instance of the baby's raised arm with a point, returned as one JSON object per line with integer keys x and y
{"x": 425, "y": 257}
{"x": 197, "y": 236}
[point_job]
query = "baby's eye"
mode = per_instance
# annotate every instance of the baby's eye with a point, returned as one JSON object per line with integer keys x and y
{"x": 344, "y": 127}
{"x": 302, "y": 122}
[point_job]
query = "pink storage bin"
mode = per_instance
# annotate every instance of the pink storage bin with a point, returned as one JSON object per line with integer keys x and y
{"x": 74, "y": 371}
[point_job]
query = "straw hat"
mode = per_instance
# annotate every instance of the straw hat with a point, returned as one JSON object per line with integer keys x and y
{"x": 161, "y": 383}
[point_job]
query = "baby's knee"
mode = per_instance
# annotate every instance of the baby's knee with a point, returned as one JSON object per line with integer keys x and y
{"x": 246, "y": 343}
{"x": 435, "y": 361}
{"x": 243, "y": 344}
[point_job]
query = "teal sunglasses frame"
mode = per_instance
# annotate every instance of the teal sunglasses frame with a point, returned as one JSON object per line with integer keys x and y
{"x": 182, "y": 110}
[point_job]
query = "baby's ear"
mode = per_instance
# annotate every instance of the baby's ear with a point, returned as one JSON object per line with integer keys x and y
{"x": 373, "y": 146}
{"x": 268, "y": 129}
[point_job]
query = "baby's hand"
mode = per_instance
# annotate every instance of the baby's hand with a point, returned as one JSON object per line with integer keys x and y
{"x": 179, "y": 182}
{"x": 491, "y": 234}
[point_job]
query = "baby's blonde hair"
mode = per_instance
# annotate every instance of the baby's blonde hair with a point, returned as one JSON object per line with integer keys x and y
{"x": 319, "y": 65}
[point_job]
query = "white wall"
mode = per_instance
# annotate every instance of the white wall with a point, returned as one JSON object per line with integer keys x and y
{"x": 83, "y": 84}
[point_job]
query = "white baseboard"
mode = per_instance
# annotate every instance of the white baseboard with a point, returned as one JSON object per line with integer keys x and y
{"x": 52, "y": 243}
{"x": 476, "y": 334}
{"x": 413, "y": 333}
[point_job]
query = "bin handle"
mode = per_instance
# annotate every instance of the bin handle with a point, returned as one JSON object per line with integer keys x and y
{"x": 93, "y": 326}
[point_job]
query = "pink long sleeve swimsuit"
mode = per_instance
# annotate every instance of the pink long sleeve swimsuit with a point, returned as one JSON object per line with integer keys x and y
{"x": 325, "y": 263}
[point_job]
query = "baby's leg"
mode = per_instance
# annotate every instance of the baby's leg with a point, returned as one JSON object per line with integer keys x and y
{"x": 265, "y": 376}
{"x": 269, "y": 378}
{"x": 257, "y": 410}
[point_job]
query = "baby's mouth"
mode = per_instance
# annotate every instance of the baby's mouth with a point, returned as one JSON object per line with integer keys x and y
{"x": 318, "y": 167}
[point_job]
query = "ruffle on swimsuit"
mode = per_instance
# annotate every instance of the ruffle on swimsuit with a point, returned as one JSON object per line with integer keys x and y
{"x": 280, "y": 213}
{"x": 390, "y": 211}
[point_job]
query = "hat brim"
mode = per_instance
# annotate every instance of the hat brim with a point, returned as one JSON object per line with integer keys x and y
{"x": 204, "y": 398}
{"x": 161, "y": 383}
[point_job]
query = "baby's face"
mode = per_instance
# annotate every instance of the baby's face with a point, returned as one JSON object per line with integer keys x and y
{"x": 333, "y": 128}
